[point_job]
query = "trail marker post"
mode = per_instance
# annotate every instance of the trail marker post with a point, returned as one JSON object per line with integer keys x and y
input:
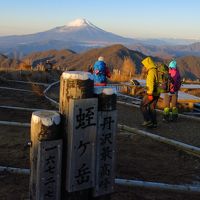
{"x": 45, "y": 156}
{"x": 105, "y": 143}
{"x": 78, "y": 108}
{"x": 85, "y": 156}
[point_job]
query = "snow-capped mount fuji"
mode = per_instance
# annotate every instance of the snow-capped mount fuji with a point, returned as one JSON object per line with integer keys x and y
{"x": 84, "y": 31}
{"x": 80, "y": 35}
{"x": 77, "y": 35}
{"x": 80, "y": 23}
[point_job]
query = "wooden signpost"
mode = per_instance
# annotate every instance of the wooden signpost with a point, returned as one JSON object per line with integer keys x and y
{"x": 45, "y": 156}
{"x": 82, "y": 125}
{"x": 88, "y": 129}
{"x": 74, "y": 86}
{"x": 105, "y": 143}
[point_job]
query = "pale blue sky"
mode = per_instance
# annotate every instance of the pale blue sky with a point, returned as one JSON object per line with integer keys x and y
{"x": 132, "y": 18}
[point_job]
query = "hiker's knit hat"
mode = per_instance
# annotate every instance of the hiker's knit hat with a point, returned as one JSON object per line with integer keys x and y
{"x": 101, "y": 58}
{"x": 173, "y": 64}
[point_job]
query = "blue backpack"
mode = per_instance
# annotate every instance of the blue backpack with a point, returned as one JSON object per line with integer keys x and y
{"x": 100, "y": 72}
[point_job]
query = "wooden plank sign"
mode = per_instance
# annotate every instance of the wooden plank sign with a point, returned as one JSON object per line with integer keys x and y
{"x": 105, "y": 143}
{"x": 105, "y": 151}
{"x": 45, "y": 155}
{"x": 82, "y": 125}
{"x": 49, "y": 175}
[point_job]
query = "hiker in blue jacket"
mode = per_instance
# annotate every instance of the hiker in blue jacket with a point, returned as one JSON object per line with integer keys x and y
{"x": 100, "y": 72}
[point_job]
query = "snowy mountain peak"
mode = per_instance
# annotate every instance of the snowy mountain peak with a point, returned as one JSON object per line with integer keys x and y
{"x": 79, "y": 22}
{"x": 76, "y": 25}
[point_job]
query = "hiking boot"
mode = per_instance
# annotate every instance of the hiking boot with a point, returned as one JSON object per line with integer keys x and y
{"x": 166, "y": 114}
{"x": 174, "y": 117}
{"x": 166, "y": 118}
{"x": 155, "y": 125}
{"x": 174, "y": 114}
{"x": 152, "y": 125}
{"x": 147, "y": 123}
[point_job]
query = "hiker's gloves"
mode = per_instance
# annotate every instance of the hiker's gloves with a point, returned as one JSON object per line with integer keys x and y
{"x": 150, "y": 97}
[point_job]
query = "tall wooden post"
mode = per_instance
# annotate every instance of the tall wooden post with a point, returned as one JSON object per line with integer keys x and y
{"x": 105, "y": 143}
{"x": 74, "y": 85}
{"x": 45, "y": 156}
{"x": 78, "y": 109}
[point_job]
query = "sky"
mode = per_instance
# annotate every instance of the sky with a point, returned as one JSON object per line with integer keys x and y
{"x": 179, "y": 19}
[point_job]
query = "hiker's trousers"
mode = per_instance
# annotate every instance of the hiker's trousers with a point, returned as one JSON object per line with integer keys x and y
{"x": 170, "y": 100}
{"x": 148, "y": 108}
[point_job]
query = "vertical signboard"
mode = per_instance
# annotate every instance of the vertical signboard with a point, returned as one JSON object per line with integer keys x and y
{"x": 82, "y": 124}
{"x": 49, "y": 176}
{"x": 105, "y": 151}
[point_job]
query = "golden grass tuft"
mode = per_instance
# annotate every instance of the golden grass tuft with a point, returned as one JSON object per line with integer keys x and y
{"x": 119, "y": 78}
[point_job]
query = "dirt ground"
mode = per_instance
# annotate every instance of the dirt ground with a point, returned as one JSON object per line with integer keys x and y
{"x": 137, "y": 157}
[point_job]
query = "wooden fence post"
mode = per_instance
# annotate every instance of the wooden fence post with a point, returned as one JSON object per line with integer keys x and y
{"x": 78, "y": 122}
{"x": 105, "y": 143}
{"x": 45, "y": 155}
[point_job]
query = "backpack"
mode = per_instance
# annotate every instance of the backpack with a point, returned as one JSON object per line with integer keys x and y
{"x": 99, "y": 72}
{"x": 176, "y": 78}
{"x": 164, "y": 78}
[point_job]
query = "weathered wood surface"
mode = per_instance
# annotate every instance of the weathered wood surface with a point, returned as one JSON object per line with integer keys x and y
{"x": 105, "y": 144}
{"x": 81, "y": 144}
{"x": 45, "y": 155}
{"x": 73, "y": 85}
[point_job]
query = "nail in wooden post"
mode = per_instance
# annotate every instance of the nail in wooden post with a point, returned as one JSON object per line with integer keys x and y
{"x": 45, "y": 155}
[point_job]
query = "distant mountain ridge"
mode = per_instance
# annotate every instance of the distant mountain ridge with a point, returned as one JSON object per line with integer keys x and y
{"x": 81, "y": 35}
{"x": 115, "y": 57}
{"x": 78, "y": 35}
{"x": 166, "y": 51}
{"x": 189, "y": 67}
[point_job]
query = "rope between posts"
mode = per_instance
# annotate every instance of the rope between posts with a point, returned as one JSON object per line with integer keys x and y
{"x": 124, "y": 182}
{"x": 14, "y": 170}
{"x": 7, "y": 123}
{"x": 27, "y": 82}
{"x": 185, "y": 147}
{"x": 26, "y": 109}
{"x": 160, "y": 111}
{"x": 119, "y": 102}
{"x": 158, "y": 186}
{"x": 55, "y": 103}
{"x": 15, "y": 89}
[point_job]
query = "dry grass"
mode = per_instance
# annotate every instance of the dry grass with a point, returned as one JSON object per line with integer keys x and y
{"x": 119, "y": 78}
{"x": 29, "y": 75}
{"x": 37, "y": 89}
